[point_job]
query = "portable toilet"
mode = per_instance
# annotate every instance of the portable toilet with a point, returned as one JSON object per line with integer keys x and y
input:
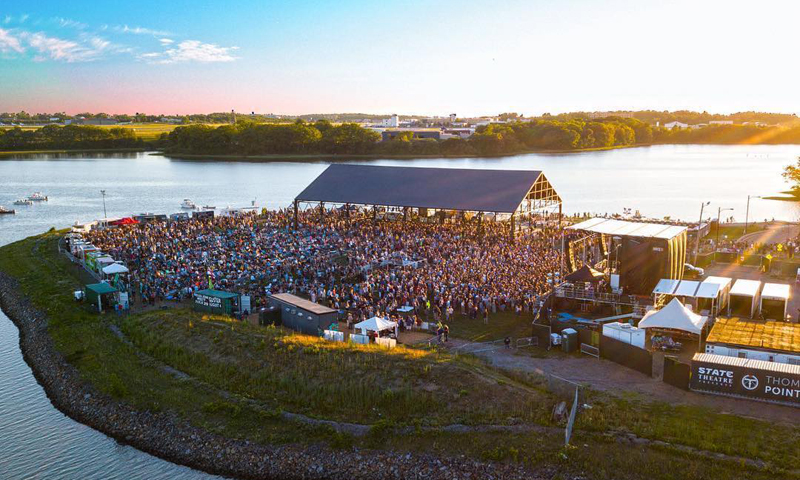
{"x": 569, "y": 340}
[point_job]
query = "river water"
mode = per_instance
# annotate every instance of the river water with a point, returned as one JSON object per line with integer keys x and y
{"x": 37, "y": 441}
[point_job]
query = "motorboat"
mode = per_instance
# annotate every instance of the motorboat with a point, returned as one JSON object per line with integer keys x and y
{"x": 209, "y": 207}
{"x": 23, "y": 201}
{"x": 38, "y": 197}
{"x": 5, "y": 211}
{"x": 188, "y": 204}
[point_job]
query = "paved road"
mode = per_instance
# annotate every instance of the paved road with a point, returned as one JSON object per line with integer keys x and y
{"x": 773, "y": 234}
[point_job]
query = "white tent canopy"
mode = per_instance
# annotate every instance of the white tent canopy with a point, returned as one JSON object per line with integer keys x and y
{"x": 115, "y": 268}
{"x": 375, "y": 324}
{"x": 775, "y": 291}
{"x": 674, "y": 316}
{"x": 666, "y": 286}
{"x": 746, "y": 288}
{"x": 686, "y": 288}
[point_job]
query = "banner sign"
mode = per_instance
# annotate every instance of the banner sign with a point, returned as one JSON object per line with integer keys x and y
{"x": 742, "y": 381}
{"x": 206, "y": 301}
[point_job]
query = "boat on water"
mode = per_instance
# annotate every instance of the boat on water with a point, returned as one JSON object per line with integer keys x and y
{"x": 23, "y": 201}
{"x": 38, "y": 197}
{"x": 188, "y": 204}
{"x": 5, "y": 211}
{"x": 209, "y": 207}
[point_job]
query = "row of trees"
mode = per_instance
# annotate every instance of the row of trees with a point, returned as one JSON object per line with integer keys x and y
{"x": 248, "y": 138}
{"x": 70, "y": 137}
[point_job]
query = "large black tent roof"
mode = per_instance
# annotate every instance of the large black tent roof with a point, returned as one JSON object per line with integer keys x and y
{"x": 499, "y": 191}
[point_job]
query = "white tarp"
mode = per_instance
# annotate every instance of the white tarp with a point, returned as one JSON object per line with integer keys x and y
{"x": 666, "y": 286}
{"x": 674, "y": 316}
{"x": 115, "y": 268}
{"x": 375, "y": 324}
{"x": 687, "y": 288}
{"x": 610, "y": 226}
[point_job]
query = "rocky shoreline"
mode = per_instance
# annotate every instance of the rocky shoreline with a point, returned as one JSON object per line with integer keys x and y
{"x": 171, "y": 438}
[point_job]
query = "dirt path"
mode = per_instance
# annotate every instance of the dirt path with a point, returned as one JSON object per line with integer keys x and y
{"x": 610, "y": 377}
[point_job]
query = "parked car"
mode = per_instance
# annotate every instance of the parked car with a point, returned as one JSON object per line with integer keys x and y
{"x": 690, "y": 271}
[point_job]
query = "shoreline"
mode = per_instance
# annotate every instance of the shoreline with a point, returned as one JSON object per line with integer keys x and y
{"x": 4, "y": 155}
{"x": 171, "y": 438}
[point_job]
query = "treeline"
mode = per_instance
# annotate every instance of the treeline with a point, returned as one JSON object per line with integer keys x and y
{"x": 729, "y": 135}
{"x": 70, "y": 137}
{"x": 247, "y": 138}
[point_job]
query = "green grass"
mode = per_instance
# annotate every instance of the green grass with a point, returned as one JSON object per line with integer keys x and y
{"x": 250, "y": 374}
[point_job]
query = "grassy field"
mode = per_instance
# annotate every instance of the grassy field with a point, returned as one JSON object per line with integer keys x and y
{"x": 145, "y": 131}
{"x": 246, "y": 376}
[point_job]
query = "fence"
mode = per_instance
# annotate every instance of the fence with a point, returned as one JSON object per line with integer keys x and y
{"x": 590, "y": 350}
{"x": 627, "y": 355}
{"x": 676, "y": 373}
{"x": 480, "y": 346}
{"x": 77, "y": 260}
{"x": 333, "y": 336}
{"x": 386, "y": 342}
{"x": 571, "y": 421}
{"x": 527, "y": 342}
{"x": 360, "y": 339}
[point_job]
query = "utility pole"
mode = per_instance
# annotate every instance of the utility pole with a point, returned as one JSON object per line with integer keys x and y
{"x": 716, "y": 243}
{"x": 747, "y": 213}
{"x": 697, "y": 245}
{"x": 105, "y": 215}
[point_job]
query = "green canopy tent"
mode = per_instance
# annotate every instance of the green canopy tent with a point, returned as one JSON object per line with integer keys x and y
{"x": 216, "y": 301}
{"x": 94, "y": 294}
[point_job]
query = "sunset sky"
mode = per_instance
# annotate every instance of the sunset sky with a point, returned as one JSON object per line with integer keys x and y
{"x": 413, "y": 57}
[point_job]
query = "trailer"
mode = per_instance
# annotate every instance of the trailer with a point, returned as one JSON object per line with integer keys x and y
{"x": 774, "y": 301}
{"x": 744, "y": 298}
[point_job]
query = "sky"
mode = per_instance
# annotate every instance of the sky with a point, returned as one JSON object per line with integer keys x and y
{"x": 432, "y": 57}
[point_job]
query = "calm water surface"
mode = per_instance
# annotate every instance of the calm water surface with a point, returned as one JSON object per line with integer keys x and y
{"x": 37, "y": 441}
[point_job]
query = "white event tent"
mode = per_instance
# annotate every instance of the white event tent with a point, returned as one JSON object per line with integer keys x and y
{"x": 375, "y": 324}
{"x": 674, "y": 316}
{"x": 115, "y": 268}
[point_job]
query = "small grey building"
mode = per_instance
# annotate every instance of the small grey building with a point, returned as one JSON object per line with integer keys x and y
{"x": 303, "y": 315}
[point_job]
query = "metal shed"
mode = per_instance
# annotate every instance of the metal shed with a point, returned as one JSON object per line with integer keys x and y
{"x": 303, "y": 315}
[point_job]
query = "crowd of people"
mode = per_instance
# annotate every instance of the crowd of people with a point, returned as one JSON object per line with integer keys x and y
{"x": 350, "y": 262}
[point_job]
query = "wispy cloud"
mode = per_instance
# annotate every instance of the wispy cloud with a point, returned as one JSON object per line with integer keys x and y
{"x": 61, "y": 49}
{"x": 9, "y": 43}
{"x": 140, "y": 31}
{"x": 85, "y": 43}
{"x": 191, "y": 51}
{"x": 70, "y": 23}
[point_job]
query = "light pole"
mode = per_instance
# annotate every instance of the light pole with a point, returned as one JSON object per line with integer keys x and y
{"x": 716, "y": 242}
{"x": 747, "y": 212}
{"x": 105, "y": 215}
{"x": 697, "y": 245}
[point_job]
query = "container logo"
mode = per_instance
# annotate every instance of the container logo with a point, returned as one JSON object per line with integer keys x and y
{"x": 750, "y": 382}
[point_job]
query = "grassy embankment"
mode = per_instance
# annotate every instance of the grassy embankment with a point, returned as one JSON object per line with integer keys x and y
{"x": 246, "y": 376}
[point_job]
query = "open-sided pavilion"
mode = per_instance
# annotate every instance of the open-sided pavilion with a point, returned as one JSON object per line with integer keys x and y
{"x": 515, "y": 193}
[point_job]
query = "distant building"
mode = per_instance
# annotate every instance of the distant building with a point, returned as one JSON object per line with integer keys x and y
{"x": 610, "y": 114}
{"x": 392, "y": 122}
{"x": 721, "y": 122}
{"x": 95, "y": 121}
{"x": 435, "y": 134}
{"x": 672, "y": 125}
{"x": 452, "y": 118}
